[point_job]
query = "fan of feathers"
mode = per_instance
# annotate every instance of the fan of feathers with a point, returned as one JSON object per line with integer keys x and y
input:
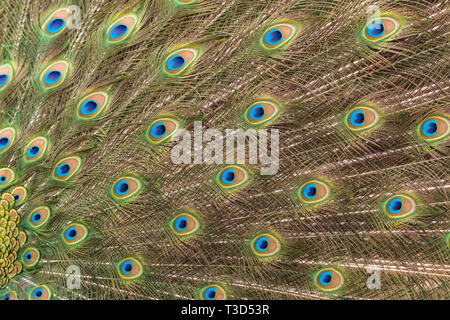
{"x": 94, "y": 95}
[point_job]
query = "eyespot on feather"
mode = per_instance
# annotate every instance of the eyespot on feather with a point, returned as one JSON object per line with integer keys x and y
{"x": 74, "y": 234}
{"x": 121, "y": 28}
{"x": 38, "y": 217}
{"x": 11, "y": 295}
{"x": 56, "y": 23}
{"x": 381, "y": 29}
{"x": 125, "y": 188}
{"x": 40, "y": 293}
{"x": 314, "y": 191}
{"x": 180, "y": 60}
{"x": 7, "y": 138}
{"x": 92, "y": 105}
{"x": 362, "y": 118}
{"x": 279, "y": 35}
{"x": 6, "y": 177}
{"x": 213, "y": 292}
{"x": 434, "y": 129}
{"x": 399, "y": 206}
{"x": 265, "y": 245}
{"x": 329, "y": 279}
{"x": 30, "y": 257}
{"x": 6, "y": 76}
{"x": 36, "y": 149}
{"x": 162, "y": 129}
{"x": 232, "y": 176}
{"x": 66, "y": 168}
{"x": 130, "y": 268}
{"x": 19, "y": 194}
{"x": 261, "y": 112}
{"x": 184, "y": 224}
{"x": 54, "y": 74}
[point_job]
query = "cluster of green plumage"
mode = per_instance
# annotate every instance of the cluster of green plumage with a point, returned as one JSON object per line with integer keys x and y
{"x": 10, "y": 240}
{"x": 87, "y": 116}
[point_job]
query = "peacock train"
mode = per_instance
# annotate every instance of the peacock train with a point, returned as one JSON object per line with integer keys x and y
{"x": 94, "y": 95}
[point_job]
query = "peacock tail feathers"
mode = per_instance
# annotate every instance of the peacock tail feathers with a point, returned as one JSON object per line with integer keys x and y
{"x": 96, "y": 96}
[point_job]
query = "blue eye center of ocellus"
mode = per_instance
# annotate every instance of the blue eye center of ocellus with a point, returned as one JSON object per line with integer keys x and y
{"x": 211, "y": 293}
{"x": 38, "y": 293}
{"x": 4, "y": 142}
{"x": 16, "y": 197}
{"x": 122, "y": 187}
{"x": 310, "y": 191}
{"x": 326, "y": 278}
{"x": 228, "y": 176}
{"x": 181, "y": 224}
{"x": 376, "y": 29}
{"x": 395, "y": 205}
{"x": 2, "y": 179}
{"x": 262, "y": 244}
{"x": 52, "y": 77}
{"x": 63, "y": 169}
{"x": 71, "y": 233}
{"x": 430, "y": 128}
{"x": 3, "y": 79}
{"x": 56, "y": 25}
{"x": 127, "y": 267}
{"x": 274, "y": 37}
{"x": 257, "y": 112}
{"x": 36, "y": 217}
{"x": 89, "y": 107}
{"x": 28, "y": 257}
{"x": 176, "y": 62}
{"x": 118, "y": 31}
{"x": 158, "y": 130}
{"x": 357, "y": 118}
{"x": 34, "y": 150}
